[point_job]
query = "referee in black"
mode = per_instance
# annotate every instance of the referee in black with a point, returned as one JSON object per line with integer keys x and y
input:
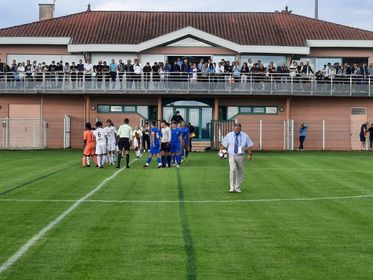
{"x": 125, "y": 138}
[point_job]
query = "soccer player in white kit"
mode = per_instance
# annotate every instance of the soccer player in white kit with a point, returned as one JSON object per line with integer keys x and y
{"x": 111, "y": 132}
{"x": 101, "y": 144}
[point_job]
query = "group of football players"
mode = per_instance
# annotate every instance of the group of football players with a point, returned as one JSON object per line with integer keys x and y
{"x": 169, "y": 144}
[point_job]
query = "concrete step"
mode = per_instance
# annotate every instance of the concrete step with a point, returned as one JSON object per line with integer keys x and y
{"x": 201, "y": 146}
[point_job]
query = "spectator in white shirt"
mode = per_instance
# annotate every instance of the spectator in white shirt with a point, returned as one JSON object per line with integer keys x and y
{"x": 137, "y": 69}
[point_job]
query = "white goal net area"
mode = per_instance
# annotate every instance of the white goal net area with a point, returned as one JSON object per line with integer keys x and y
{"x": 22, "y": 133}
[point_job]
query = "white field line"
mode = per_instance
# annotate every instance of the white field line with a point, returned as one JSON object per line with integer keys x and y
{"x": 102, "y": 201}
{"x": 290, "y": 168}
{"x": 21, "y": 251}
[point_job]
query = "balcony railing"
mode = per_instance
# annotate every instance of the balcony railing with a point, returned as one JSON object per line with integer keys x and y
{"x": 254, "y": 84}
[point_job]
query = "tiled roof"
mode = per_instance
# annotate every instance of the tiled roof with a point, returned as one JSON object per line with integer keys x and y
{"x": 244, "y": 28}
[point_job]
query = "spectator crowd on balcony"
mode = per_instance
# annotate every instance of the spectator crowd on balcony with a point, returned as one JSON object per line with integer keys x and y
{"x": 179, "y": 70}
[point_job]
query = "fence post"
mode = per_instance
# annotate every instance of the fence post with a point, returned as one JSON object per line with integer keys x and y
{"x": 369, "y": 85}
{"x": 7, "y": 133}
{"x": 350, "y": 85}
{"x": 284, "y": 135}
{"x": 292, "y": 135}
{"x": 323, "y": 135}
{"x": 271, "y": 84}
{"x": 261, "y": 135}
{"x": 251, "y": 83}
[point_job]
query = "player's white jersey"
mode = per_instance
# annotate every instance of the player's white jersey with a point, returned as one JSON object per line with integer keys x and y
{"x": 100, "y": 135}
{"x": 111, "y": 131}
{"x": 166, "y": 135}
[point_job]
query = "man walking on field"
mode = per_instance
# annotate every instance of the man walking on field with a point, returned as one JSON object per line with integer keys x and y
{"x": 237, "y": 143}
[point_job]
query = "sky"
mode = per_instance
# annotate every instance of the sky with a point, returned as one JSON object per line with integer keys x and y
{"x": 348, "y": 12}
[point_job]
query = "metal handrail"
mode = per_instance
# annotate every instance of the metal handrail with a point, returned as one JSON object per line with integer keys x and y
{"x": 251, "y": 83}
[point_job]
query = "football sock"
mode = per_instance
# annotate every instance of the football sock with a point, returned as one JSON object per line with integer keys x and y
{"x": 99, "y": 160}
{"x": 163, "y": 160}
{"x": 88, "y": 161}
{"x": 169, "y": 160}
{"x": 148, "y": 160}
{"x": 186, "y": 153}
{"x": 127, "y": 160}
{"x": 119, "y": 159}
{"x": 104, "y": 160}
{"x": 159, "y": 161}
{"x": 84, "y": 163}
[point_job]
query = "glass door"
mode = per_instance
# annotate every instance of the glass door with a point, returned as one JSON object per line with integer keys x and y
{"x": 183, "y": 113}
{"x": 206, "y": 117}
{"x": 194, "y": 119}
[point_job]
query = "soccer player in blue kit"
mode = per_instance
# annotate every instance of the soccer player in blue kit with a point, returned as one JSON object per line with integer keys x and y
{"x": 185, "y": 137}
{"x": 175, "y": 143}
{"x": 155, "y": 145}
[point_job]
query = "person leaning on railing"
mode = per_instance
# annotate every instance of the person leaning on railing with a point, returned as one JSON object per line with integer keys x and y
{"x": 54, "y": 74}
{"x": 73, "y": 74}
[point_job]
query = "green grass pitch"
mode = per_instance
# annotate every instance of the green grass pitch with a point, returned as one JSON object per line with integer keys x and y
{"x": 300, "y": 216}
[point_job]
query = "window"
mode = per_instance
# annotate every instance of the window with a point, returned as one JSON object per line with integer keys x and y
{"x": 277, "y": 60}
{"x": 358, "y": 111}
{"x": 116, "y": 108}
{"x": 142, "y": 110}
{"x": 259, "y": 110}
{"x": 271, "y": 110}
{"x": 231, "y": 112}
{"x": 103, "y": 108}
{"x": 320, "y": 62}
{"x": 246, "y": 110}
{"x": 254, "y": 110}
{"x": 129, "y": 109}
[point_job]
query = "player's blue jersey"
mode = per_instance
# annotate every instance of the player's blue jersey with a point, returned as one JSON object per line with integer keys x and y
{"x": 175, "y": 136}
{"x": 157, "y": 136}
{"x": 185, "y": 131}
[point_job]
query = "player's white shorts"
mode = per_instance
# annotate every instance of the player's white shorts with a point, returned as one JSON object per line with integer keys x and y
{"x": 100, "y": 148}
{"x": 111, "y": 147}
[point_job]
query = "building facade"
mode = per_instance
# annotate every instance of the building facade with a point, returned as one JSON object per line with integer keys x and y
{"x": 269, "y": 104}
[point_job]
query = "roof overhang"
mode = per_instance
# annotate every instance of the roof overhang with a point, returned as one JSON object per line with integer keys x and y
{"x": 182, "y": 33}
{"x": 340, "y": 43}
{"x": 35, "y": 40}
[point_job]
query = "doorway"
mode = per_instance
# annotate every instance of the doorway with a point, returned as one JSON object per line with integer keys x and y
{"x": 358, "y": 117}
{"x": 197, "y": 113}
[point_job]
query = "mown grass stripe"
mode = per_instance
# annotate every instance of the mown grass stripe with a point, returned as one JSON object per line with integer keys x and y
{"x": 31, "y": 242}
{"x": 187, "y": 236}
{"x": 34, "y": 180}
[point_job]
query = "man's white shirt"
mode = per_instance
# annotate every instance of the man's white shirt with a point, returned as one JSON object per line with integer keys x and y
{"x": 244, "y": 141}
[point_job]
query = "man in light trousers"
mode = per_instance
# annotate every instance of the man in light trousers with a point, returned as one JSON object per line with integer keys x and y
{"x": 237, "y": 143}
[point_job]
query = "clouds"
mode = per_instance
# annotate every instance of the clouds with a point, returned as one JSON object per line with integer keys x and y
{"x": 340, "y": 11}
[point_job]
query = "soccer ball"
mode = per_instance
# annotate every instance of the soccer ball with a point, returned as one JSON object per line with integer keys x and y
{"x": 223, "y": 154}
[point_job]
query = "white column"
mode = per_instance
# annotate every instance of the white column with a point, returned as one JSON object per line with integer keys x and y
{"x": 261, "y": 135}
{"x": 323, "y": 135}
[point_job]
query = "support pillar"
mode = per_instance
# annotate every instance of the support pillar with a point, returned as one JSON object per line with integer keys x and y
{"x": 87, "y": 108}
{"x": 159, "y": 109}
{"x": 216, "y": 108}
{"x": 288, "y": 108}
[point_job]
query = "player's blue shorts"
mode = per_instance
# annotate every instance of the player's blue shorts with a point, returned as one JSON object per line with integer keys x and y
{"x": 155, "y": 149}
{"x": 174, "y": 148}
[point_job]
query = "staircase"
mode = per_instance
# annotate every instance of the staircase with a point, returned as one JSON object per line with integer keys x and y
{"x": 200, "y": 146}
